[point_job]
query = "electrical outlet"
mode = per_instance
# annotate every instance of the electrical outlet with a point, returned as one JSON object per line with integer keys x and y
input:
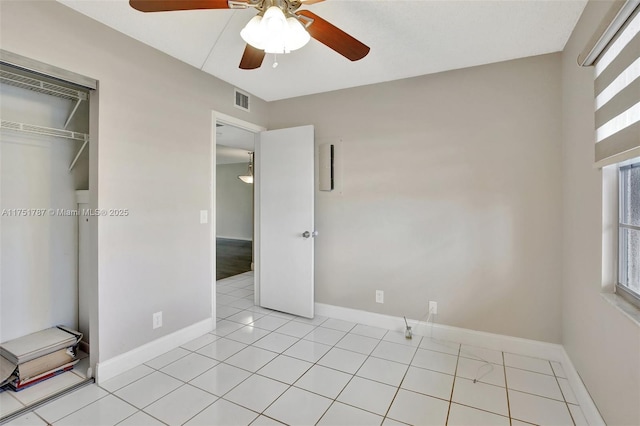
{"x": 379, "y": 296}
{"x": 157, "y": 320}
{"x": 433, "y": 307}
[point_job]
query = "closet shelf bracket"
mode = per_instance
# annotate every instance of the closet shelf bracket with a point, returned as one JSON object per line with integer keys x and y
{"x": 75, "y": 159}
{"x": 73, "y": 112}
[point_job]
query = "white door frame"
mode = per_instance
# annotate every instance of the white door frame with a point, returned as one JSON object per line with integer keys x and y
{"x": 255, "y": 129}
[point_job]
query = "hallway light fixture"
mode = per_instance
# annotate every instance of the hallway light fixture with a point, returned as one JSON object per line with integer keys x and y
{"x": 248, "y": 178}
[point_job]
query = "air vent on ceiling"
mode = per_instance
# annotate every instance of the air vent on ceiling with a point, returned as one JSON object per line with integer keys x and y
{"x": 241, "y": 100}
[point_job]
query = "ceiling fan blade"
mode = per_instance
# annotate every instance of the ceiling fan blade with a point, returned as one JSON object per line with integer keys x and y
{"x": 169, "y": 5}
{"x": 251, "y": 58}
{"x": 305, "y": 2}
{"x": 333, "y": 37}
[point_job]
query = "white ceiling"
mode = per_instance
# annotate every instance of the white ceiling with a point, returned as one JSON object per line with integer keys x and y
{"x": 233, "y": 144}
{"x": 228, "y": 155}
{"x": 235, "y": 137}
{"x": 407, "y": 38}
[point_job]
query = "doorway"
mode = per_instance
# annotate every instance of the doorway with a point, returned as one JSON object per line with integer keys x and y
{"x": 234, "y": 202}
{"x": 234, "y": 211}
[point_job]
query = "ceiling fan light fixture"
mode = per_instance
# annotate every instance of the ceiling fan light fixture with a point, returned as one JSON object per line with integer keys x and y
{"x": 273, "y": 32}
{"x": 298, "y": 34}
{"x": 274, "y": 20}
{"x": 252, "y": 32}
{"x": 276, "y": 43}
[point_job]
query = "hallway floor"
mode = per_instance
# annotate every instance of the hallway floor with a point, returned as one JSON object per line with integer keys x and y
{"x": 233, "y": 257}
{"x": 262, "y": 367}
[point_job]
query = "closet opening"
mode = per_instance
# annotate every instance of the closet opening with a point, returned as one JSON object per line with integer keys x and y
{"x": 48, "y": 234}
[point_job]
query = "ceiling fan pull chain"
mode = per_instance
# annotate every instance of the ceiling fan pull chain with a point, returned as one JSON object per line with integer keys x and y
{"x": 275, "y": 61}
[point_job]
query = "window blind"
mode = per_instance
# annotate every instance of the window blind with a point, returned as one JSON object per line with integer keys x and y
{"x": 617, "y": 90}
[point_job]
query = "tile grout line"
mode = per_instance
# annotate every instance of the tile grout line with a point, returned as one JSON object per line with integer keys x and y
{"x": 75, "y": 411}
{"x": 40, "y": 417}
{"x": 453, "y": 385}
{"x": 386, "y": 414}
{"x": 506, "y": 388}
{"x": 484, "y": 410}
{"x": 140, "y": 410}
{"x": 218, "y": 398}
{"x": 562, "y": 393}
{"x": 137, "y": 409}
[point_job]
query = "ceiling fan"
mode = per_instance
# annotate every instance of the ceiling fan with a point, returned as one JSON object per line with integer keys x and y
{"x": 279, "y": 27}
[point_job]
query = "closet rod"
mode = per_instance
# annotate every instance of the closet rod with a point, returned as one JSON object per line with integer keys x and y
{"x": 41, "y": 130}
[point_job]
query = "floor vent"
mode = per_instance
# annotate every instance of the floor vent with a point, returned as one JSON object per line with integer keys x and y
{"x": 241, "y": 100}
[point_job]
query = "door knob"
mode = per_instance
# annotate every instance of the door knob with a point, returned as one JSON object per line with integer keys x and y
{"x": 307, "y": 234}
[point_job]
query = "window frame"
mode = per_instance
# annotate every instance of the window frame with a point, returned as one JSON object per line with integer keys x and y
{"x": 620, "y": 289}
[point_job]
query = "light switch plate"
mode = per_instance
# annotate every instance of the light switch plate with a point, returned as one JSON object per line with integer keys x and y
{"x": 157, "y": 320}
{"x": 204, "y": 216}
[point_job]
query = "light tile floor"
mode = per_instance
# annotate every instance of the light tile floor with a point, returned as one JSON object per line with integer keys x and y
{"x": 262, "y": 367}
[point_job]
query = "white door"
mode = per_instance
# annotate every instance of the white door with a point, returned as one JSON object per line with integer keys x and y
{"x": 285, "y": 184}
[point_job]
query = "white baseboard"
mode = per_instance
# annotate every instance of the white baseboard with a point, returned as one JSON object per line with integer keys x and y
{"x": 589, "y": 409}
{"x": 515, "y": 345}
{"x": 119, "y": 364}
{"x": 465, "y": 336}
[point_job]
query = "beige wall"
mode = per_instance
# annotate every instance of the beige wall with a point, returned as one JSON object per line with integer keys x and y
{"x": 155, "y": 158}
{"x": 603, "y": 344}
{"x": 448, "y": 190}
{"x": 234, "y": 203}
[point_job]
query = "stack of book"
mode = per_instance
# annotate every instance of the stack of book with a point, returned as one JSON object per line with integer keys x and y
{"x": 39, "y": 356}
